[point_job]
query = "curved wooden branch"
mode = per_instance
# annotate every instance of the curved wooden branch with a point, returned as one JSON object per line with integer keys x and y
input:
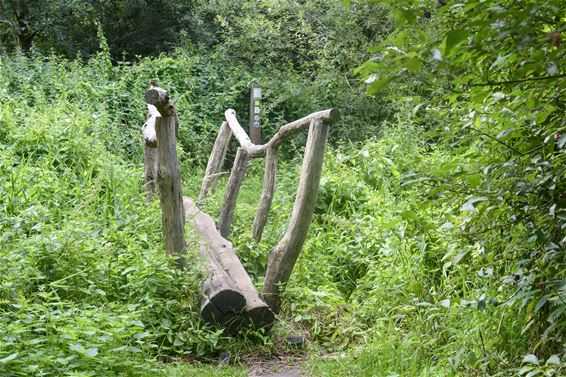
{"x": 234, "y": 182}
{"x": 283, "y": 257}
{"x": 267, "y": 193}
{"x": 241, "y": 135}
{"x": 215, "y": 161}
{"x": 325, "y": 117}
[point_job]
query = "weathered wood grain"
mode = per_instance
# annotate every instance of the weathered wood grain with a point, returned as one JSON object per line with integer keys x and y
{"x": 231, "y": 195}
{"x": 231, "y": 299}
{"x": 267, "y": 193}
{"x": 170, "y": 188}
{"x": 284, "y": 255}
{"x": 215, "y": 161}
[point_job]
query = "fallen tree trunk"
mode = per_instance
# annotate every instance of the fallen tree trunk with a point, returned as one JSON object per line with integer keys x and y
{"x": 231, "y": 299}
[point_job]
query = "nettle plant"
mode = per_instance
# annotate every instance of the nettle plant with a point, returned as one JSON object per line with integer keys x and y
{"x": 487, "y": 79}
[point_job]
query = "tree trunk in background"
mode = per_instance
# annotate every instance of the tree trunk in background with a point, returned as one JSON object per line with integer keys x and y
{"x": 25, "y": 33}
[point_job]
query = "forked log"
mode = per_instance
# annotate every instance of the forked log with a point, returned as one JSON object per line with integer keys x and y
{"x": 231, "y": 195}
{"x": 326, "y": 116}
{"x": 231, "y": 299}
{"x": 215, "y": 161}
{"x": 284, "y": 255}
{"x": 267, "y": 193}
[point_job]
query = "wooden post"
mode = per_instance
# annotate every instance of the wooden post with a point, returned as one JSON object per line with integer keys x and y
{"x": 168, "y": 173}
{"x": 231, "y": 196}
{"x": 283, "y": 256}
{"x": 267, "y": 193}
{"x": 255, "y": 120}
{"x": 150, "y": 172}
{"x": 215, "y": 161}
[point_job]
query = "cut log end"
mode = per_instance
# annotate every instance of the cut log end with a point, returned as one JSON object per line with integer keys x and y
{"x": 152, "y": 96}
{"x": 223, "y": 303}
{"x": 160, "y": 99}
{"x": 333, "y": 116}
{"x": 261, "y": 317}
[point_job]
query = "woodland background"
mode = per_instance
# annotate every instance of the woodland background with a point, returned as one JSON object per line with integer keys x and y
{"x": 438, "y": 244}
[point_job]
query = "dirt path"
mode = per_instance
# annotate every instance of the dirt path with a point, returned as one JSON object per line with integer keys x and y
{"x": 293, "y": 371}
{"x": 275, "y": 368}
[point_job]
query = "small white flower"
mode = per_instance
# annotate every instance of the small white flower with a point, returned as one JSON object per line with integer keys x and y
{"x": 371, "y": 79}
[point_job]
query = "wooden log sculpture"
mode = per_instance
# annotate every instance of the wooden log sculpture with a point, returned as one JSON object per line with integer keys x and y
{"x": 230, "y": 298}
{"x": 284, "y": 255}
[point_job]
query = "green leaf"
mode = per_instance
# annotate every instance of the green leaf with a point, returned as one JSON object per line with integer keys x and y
{"x": 76, "y": 347}
{"x": 91, "y": 352}
{"x": 377, "y": 85}
{"x": 368, "y": 68}
{"x": 531, "y": 359}
{"x": 409, "y": 215}
{"x": 540, "y": 304}
{"x": 413, "y": 65}
{"x": 8, "y": 358}
{"x": 504, "y": 133}
{"x": 453, "y": 38}
{"x": 403, "y": 16}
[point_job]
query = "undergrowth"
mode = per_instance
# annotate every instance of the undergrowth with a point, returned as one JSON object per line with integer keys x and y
{"x": 386, "y": 284}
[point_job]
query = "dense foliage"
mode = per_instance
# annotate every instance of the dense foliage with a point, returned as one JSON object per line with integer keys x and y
{"x": 437, "y": 247}
{"x": 495, "y": 82}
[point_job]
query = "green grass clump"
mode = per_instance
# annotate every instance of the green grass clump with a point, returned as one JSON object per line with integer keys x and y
{"x": 86, "y": 286}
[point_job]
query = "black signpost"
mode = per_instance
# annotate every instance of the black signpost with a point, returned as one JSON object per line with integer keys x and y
{"x": 255, "y": 120}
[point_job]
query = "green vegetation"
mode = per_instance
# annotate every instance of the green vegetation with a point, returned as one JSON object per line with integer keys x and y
{"x": 437, "y": 247}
